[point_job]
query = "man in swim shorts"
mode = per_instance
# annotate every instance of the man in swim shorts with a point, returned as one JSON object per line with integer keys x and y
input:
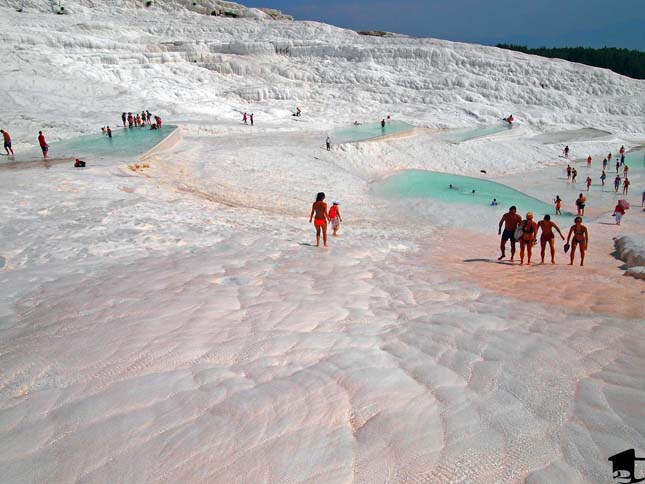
{"x": 510, "y": 220}
{"x": 319, "y": 209}
{"x": 548, "y": 236}
{"x": 580, "y": 238}
{"x": 7, "y": 142}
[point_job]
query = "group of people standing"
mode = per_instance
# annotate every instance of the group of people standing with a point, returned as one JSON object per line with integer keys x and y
{"x": 247, "y": 117}
{"x": 525, "y": 232}
{"x": 140, "y": 120}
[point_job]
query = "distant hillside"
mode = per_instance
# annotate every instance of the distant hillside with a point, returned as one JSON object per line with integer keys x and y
{"x": 627, "y": 62}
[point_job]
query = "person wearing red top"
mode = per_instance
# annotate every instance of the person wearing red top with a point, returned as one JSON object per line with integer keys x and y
{"x": 588, "y": 182}
{"x": 334, "y": 217}
{"x": 7, "y": 142}
{"x": 622, "y": 150}
{"x": 528, "y": 238}
{"x": 589, "y": 161}
{"x": 619, "y": 211}
{"x": 43, "y": 144}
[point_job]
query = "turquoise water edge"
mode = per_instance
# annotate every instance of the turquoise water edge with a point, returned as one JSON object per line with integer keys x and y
{"x": 437, "y": 186}
{"x": 125, "y": 143}
{"x": 367, "y": 131}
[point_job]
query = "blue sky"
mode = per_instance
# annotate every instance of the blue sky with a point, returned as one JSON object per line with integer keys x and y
{"x": 536, "y": 23}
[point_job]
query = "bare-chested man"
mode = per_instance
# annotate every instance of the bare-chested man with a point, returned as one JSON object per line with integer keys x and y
{"x": 510, "y": 220}
{"x": 548, "y": 236}
{"x": 319, "y": 209}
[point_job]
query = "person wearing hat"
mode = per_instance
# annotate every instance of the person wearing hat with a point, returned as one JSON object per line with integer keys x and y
{"x": 334, "y": 217}
{"x": 528, "y": 238}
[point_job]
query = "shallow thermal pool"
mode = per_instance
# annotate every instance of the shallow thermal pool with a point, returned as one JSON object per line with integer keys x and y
{"x": 428, "y": 184}
{"x": 125, "y": 143}
{"x": 368, "y": 131}
{"x": 460, "y": 135}
{"x": 635, "y": 160}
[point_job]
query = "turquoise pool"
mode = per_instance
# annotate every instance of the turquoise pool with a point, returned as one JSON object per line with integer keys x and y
{"x": 428, "y": 184}
{"x": 367, "y": 131}
{"x": 125, "y": 143}
{"x": 635, "y": 160}
{"x": 458, "y": 136}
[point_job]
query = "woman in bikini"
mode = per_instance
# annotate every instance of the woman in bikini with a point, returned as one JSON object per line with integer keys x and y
{"x": 528, "y": 238}
{"x": 548, "y": 237}
{"x": 580, "y": 237}
{"x": 319, "y": 209}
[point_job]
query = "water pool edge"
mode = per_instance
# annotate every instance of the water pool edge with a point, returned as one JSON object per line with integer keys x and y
{"x": 173, "y": 138}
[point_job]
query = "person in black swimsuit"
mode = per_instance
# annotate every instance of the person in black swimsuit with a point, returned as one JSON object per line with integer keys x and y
{"x": 580, "y": 238}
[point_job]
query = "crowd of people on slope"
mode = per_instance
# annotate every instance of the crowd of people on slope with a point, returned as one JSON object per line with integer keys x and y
{"x": 572, "y": 173}
{"x": 525, "y": 231}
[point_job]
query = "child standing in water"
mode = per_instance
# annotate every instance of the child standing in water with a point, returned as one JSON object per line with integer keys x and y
{"x": 319, "y": 209}
{"x": 334, "y": 217}
{"x": 558, "y": 205}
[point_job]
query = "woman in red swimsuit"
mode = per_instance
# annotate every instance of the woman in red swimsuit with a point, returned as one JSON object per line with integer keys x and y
{"x": 319, "y": 209}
